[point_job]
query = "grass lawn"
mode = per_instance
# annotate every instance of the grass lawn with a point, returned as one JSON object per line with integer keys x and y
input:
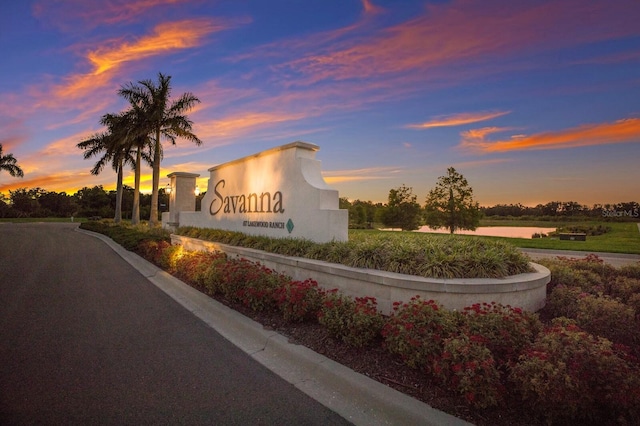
{"x": 624, "y": 237}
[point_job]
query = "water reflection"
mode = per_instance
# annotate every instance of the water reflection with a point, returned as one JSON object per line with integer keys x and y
{"x": 496, "y": 231}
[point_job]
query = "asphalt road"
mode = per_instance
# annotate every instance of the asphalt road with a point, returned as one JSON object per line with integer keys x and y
{"x": 86, "y": 339}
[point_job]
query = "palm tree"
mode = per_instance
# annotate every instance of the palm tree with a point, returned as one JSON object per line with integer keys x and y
{"x": 162, "y": 119}
{"x": 115, "y": 149}
{"x": 8, "y": 163}
{"x": 133, "y": 126}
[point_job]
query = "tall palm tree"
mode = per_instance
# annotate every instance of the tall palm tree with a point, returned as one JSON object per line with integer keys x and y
{"x": 163, "y": 119}
{"x": 114, "y": 149}
{"x": 135, "y": 132}
{"x": 8, "y": 163}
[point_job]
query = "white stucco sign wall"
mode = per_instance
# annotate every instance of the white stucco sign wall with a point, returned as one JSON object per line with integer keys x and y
{"x": 277, "y": 193}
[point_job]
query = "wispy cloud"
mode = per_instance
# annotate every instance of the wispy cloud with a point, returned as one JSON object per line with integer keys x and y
{"x": 480, "y": 163}
{"x": 67, "y": 15}
{"x": 372, "y": 173}
{"x": 242, "y": 123}
{"x": 370, "y": 8}
{"x": 454, "y": 34}
{"x": 458, "y": 119}
{"x": 621, "y": 131}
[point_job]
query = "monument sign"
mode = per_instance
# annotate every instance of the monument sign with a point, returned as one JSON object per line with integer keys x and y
{"x": 277, "y": 193}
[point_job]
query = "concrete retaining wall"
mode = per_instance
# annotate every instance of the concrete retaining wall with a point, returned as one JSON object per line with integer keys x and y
{"x": 527, "y": 291}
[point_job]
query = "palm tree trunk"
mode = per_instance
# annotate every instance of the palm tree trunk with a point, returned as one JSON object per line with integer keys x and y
{"x": 135, "y": 214}
{"x": 153, "y": 217}
{"x": 118, "y": 216}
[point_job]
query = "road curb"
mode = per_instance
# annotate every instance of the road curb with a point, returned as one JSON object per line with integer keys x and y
{"x": 356, "y": 397}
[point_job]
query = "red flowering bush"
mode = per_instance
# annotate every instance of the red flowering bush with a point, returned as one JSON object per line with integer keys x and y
{"x": 151, "y": 250}
{"x": 249, "y": 283}
{"x": 467, "y": 366}
{"x": 569, "y": 374}
{"x": 416, "y": 331}
{"x": 299, "y": 300}
{"x": 356, "y": 322}
{"x": 167, "y": 257}
{"x": 506, "y": 331}
{"x": 192, "y": 266}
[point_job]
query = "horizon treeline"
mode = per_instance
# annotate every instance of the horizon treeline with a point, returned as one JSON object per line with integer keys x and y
{"x": 96, "y": 201}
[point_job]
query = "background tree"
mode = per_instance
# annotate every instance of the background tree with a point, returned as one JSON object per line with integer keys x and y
{"x": 163, "y": 119}
{"x": 9, "y": 163}
{"x": 402, "y": 210}
{"x": 450, "y": 204}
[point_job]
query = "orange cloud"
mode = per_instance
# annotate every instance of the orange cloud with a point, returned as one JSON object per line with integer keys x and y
{"x": 242, "y": 123}
{"x": 68, "y": 182}
{"x": 458, "y": 119}
{"x": 621, "y": 131}
{"x": 165, "y": 38}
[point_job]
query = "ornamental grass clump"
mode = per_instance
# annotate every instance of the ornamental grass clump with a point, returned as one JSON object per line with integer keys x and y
{"x": 569, "y": 375}
{"x": 407, "y": 253}
{"x": 416, "y": 331}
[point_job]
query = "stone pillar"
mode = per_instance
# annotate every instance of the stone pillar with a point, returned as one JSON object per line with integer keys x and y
{"x": 182, "y": 197}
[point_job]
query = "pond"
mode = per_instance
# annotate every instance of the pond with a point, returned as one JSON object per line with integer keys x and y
{"x": 496, "y": 231}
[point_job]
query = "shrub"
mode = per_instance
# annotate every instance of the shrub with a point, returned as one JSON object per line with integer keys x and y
{"x": 192, "y": 266}
{"x": 589, "y": 274}
{"x": 608, "y": 318}
{"x": 634, "y": 302}
{"x": 167, "y": 258}
{"x": 468, "y": 367}
{"x": 506, "y": 331}
{"x": 416, "y": 331}
{"x": 365, "y": 323}
{"x": 251, "y": 284}
{"x": 356, "y": 322}
{"x": 152, "y": 250}
{"x": 299, "y": 300}
{"x": 563, "y": 301}
{"x": 569, "y": 375}
{"x": 623, "y": 287}
{"x": 631, "y": 271}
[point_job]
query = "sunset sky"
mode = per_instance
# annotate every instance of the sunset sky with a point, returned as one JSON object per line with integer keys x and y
{"x": 532, "y": 101}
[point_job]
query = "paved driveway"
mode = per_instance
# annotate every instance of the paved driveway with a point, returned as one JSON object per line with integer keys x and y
{"x": 86, "y": 339}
